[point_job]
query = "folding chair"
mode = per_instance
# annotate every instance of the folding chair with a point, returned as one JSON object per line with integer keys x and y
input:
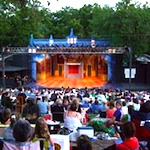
{"x": 19, "y": 104}
{"x": 57, "y": 113}
{"x": 16, "y": 146}
{"x": 44, "y": 144}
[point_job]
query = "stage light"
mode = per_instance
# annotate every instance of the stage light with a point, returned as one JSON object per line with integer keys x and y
{"x": 93, "y": 42}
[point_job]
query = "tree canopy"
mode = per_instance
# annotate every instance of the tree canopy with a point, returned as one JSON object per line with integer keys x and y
{"x": 127, "y": 24}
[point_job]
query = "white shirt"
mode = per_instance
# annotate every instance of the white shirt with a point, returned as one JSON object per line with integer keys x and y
{"x": 72, "y": 123}
{"x": 124, "y": 110}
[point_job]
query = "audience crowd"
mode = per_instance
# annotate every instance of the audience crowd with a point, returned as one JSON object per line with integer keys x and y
{"x": 73, "y": 107}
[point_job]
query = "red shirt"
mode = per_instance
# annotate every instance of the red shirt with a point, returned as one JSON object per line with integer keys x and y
{"x": 130, "y": 144}
{"x": 110, "y": 112}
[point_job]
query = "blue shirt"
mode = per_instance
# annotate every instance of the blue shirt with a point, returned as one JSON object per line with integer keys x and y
{"x": 8, "y": 133}
{"x": 95, "y": 108}
{"x": 118, "y": 114}
{"x": 43, "y": 106}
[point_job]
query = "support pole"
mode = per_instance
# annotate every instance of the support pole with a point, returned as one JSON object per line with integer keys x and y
{"x": 130, "y": 68}
{"x": 3, "y": 68}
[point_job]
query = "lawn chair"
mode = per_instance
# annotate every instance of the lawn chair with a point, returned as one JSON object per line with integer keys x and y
{"x": 44, "y": 144}
{"x": 19, "y": 104}
{"x": 57, "y": 113}
{"x": 6, "y": 145}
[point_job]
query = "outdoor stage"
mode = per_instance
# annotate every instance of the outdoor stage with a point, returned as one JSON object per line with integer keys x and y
{"x": 58, "y": 82}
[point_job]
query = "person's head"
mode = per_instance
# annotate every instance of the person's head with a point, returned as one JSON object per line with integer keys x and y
{"x": 111, "y": 104}
{"x": 65, "y": 101}
{"x": 20, "y": 89}
{"x": 135, "y": 100}
{"x": 59, "y": 102}
{"x": 7, "y": 112}
{"x": 84, "y": 143}
{"x": 124, "y": 103}
{"x": 76, "y": 100}
{"x": 104, "y": 103}
{"x": 22, "y": 131}
{"x": 43, "y": 98}
{"x": 96, "y": 100}
{"x": 130, "y": 109}
{"x": 74, "y": 106}
{"x": 129, "y": 129}
{"x": 5, "y": 116}
{"x": 31, "y": 101}
{"x": 6, "y": 94}
{"x": 41, "y": 129}
{"x": 118, "y": 104}
{"x": 12, "y": 120}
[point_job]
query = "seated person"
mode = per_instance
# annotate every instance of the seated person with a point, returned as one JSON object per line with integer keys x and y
{"x": 95, "y": 107}
{"x": 118, "y": 113}
{"x": 145, "y": 107}
{"x": 8, "y": 131}
{"x": 130, "y": 142}
{"x": 22, "y": 131}
{"x": 117, "y": 116}
{"x": 31, "y": 111}
{"x": 100, "y": 125}
{"x": 41, "y": 131}
{"x": 6, "y": 100}
{"x": 65, "y": 102}
{"x": 72, "y": 118}
{"x": 77, "y": 101}
{"x": 141, "y": 120}
{"x": 103, "y": 109}
{"x": 57, "y": 110}
{"x": 110, "y": 109}
{"x": 5, "y": 116}
{"x": 22, "y": 94}
{"x": 85, "y": 115}
{"x": 84, "y": 143}
{"x": 82, "y": 108}
{"x": 43, "y": 105}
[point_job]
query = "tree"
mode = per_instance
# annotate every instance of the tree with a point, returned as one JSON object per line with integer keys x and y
{"x": 20, "y": 19}
{"x": 100, "y": 23}
{"x": 126, "y": 24}
{"x": 129, "y": 26}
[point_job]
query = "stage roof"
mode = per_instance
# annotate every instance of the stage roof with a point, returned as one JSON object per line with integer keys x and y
{"x": 13, "y": 68}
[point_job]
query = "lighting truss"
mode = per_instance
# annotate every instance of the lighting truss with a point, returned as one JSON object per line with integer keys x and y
{"x": 64, "y": 50}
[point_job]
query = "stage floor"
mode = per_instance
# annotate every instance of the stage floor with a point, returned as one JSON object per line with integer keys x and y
{"x": 58, "y": 82}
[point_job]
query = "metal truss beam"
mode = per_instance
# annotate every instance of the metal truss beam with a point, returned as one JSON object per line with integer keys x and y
{"x": 64, "y": 50}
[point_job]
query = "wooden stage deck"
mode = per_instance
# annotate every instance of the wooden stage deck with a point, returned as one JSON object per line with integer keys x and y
{"x": 58, "y": 82}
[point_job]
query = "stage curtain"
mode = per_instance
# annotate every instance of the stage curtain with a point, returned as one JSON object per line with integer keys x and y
{"x": 73, "y": 69}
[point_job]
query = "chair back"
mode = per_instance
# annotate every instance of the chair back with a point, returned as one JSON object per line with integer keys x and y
{"x": 57, "y": 113}
{"x": 17, "y": 146}
{"x": 19, "y": 104}
{"x": 102, "y": 114}
{"x": 142, "y": 123}
{"x": 44, "y": 144}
